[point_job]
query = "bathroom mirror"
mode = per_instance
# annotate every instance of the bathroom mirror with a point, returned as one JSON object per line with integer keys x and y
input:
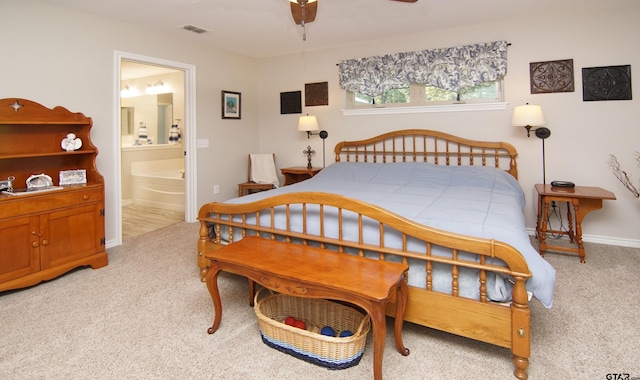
{"x": 155, "y": 111}
{"x": 126, "y": 120}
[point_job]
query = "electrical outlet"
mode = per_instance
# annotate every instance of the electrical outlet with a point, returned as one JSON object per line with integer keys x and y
{"x": 216, "y": 189}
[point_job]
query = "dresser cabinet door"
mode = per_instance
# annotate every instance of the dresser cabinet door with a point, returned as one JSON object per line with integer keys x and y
{"x": 71, "y": 234}
{"x": 19, "y": 247}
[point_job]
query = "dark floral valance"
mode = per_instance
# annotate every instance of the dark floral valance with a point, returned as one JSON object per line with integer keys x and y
{"x": 448, "y": 68}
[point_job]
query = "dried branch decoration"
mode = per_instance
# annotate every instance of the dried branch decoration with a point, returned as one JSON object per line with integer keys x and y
{"x": 622, "y": 175}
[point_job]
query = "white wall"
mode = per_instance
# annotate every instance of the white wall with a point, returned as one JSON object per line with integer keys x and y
{"x": 59, "y": 56}
{"x": 583, "y": 133}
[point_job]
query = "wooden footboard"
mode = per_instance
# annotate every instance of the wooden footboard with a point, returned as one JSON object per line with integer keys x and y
{"x": 329, "y": 221}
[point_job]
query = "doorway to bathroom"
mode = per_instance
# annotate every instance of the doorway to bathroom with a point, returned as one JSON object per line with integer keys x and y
{"x": 157, "y": 175}
{"x": 151, "y": 151}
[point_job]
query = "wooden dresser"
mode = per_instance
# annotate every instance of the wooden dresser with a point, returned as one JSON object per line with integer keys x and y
{"x": 46, "y": 233}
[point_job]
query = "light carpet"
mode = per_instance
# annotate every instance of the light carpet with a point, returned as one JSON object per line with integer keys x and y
{"x": 145, "y": 316}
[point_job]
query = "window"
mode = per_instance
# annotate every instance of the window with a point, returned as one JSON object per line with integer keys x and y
{"x": 423, "y": 95}
{"x": 397, "y": 96}
{"x": 406, "y": 82}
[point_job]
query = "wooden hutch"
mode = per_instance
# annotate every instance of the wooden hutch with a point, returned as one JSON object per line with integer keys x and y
{"x": 47, "y": 232}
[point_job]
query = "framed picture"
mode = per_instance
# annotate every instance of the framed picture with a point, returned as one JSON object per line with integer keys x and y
{"x": 606, "y": 83}
{"x": 231, "y": 105}
{"x": 316, "y": 94}
{"x": 551, "y": 76}
{"x": 290, "y": 102}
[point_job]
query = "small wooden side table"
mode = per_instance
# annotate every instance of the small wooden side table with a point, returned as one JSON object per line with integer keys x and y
{"x": 298, "y": 174}
{"x": 582, "y": 198}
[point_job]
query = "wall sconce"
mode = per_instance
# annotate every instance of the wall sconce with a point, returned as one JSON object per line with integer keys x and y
{"x": 157, "y": 88}
{"x": 127, "y": 92}
{"x": 529, "y": 116}
{"x": 309, "y": 124}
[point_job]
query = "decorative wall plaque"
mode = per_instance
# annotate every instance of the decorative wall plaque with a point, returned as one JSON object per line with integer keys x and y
{"x": 316, "y": 94}
{"x": 551, "y": 76}
{"x": 290, "y": 102}
{"x": 606, "y": 83}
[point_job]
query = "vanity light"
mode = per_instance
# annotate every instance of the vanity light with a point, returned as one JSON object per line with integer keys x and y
{"x": 127, "y": 92}
{"x": 157, "y": 88}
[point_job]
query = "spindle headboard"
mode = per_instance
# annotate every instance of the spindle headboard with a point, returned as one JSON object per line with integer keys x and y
{"x": 423, "y": 145}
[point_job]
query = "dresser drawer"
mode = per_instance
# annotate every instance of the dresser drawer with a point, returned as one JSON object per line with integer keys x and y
{"x": 12, "y": 206}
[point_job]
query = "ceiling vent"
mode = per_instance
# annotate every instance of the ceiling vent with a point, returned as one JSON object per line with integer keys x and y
{"x": 193, "y": 28}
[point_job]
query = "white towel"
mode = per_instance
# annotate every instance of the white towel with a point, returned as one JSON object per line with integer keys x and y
{"x": 263, "y": 169}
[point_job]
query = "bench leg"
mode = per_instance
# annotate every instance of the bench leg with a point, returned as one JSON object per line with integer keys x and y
{"x": 212, "y": 285}
{"x": 401, "y": 304}
{"x": 252, "y": 292}
{"x": 379, "y": 324}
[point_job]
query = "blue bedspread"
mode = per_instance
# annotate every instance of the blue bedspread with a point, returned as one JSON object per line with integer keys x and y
{"x": 471, "y": 200}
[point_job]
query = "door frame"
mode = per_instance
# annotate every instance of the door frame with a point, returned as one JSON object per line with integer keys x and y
{"x": 189, "y": 135}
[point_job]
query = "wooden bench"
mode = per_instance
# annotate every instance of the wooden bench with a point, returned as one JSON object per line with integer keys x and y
{"x": 305, "y": 271}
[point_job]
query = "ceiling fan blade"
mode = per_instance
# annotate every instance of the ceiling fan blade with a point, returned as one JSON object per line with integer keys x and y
{"x": 310, "y": 11}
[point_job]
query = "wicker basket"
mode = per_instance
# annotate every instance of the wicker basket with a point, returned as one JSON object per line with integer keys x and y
{"x": 326, "y": 351}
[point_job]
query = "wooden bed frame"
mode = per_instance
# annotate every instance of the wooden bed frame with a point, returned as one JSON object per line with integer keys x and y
{"x": 505, "y": 325}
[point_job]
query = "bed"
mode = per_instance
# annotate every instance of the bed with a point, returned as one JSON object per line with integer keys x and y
{"x": 449, "y": 207}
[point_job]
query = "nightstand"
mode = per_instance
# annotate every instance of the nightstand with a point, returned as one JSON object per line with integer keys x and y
{"x": 298, "y": 174}
{"x": 582, "y": 199}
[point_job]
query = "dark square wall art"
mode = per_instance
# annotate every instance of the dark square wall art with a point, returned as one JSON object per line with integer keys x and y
{"x": 551, "y": 76}
{"x": 606, "y": 83}
{"x": 290, "y": 102}
{"x": 316, "y": 94}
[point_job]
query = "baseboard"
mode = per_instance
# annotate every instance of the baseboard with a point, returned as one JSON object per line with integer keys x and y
{"x": 111, "y": 243}
{"x": 621, "y": 242}
{"x": 631, "y": 243}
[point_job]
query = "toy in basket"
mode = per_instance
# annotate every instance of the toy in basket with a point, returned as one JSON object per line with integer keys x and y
{"x": 310, "y": 346}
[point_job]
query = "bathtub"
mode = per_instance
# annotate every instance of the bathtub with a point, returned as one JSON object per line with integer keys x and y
{"x": 158, "y": 184}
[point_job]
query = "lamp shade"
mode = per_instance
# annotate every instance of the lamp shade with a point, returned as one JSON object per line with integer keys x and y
{"x": 308, "y": 123}
{"x": 529, "y": 114}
